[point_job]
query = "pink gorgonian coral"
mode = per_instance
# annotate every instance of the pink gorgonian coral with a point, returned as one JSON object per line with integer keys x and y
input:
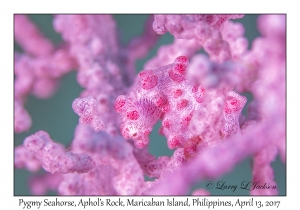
{"x": 198, "y": 98}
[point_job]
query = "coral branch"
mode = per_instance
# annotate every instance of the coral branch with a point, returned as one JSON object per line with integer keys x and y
{"x": 54, "y": 158}
{"x": 205, "y": 165}
{"x": 26, "y": 159}
{"x": 38, "y": 71}
{"x": 263, "y": 173}
{"x": 140, "y": 46}
{"x": 40, "y": 184}
{"x": 30, "y": 38}
{"x": 203, "y": 28}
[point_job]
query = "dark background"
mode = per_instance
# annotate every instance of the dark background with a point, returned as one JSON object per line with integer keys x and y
{"x": 56, "y": 116}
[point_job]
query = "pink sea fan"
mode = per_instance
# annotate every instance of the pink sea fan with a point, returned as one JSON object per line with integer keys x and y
{"x": 200, "y": 101}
